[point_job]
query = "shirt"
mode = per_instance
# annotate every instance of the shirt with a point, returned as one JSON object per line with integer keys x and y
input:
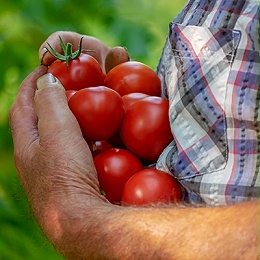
{"x": 209, "y": 71}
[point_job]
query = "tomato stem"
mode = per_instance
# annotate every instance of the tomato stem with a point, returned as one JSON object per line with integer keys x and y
{"x": 67, "y": 50}
{"x": 102, "y": 192}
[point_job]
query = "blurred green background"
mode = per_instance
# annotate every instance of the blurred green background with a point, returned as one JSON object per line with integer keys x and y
{"x": 140, "y": 25}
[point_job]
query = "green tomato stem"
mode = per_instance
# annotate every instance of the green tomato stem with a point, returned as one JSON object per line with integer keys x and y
{"x": 67, "y": 50}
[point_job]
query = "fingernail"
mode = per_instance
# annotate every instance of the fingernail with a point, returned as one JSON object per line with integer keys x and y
{"x": 47, "y": 80}
{"x": 42, "y": 53}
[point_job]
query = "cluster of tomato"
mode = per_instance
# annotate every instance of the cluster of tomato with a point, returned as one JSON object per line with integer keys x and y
{"x": 125, "y": 121}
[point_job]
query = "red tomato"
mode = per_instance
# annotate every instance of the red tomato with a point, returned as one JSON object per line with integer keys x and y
{"x": 70, "y": 93}
{"x": 133, "y": 76}
{"x": 116, "y": 140}
{"x": 151, "y": 186}
{"x": 82, "y": 72}
{"x": 114, "y": 167}
{"x": 130, "y": 98}
{"x": 145, "y": 129}
{"x": 99, "y": 111}
{"x": 99, "y": 147}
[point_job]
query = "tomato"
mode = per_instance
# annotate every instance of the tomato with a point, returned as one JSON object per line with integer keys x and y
{"x": 99, "y": 147}
{"x": 145, "y": 129}
{"x": 82, "y": 72}
{"x": 151, "y": 186}
{"x": 133, "y": 76}
{"x": 70, "y": 93}
{"x": 116, "y": 140}
{"x": 99, "y": 111}
{"x": 114, "y": 167}
{"x": 130, "y": 98}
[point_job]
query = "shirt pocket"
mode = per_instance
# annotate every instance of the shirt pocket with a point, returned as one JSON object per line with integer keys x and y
{"x": 201, "y": 60}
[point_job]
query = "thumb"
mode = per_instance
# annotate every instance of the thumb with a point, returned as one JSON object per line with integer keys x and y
{"x": 54, "y": 116}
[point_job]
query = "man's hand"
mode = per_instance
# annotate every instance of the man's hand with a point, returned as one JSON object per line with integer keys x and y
{"x": 51, "y": 155}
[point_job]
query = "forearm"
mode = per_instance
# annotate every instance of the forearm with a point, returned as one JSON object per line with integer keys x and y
{"x": 86, "y": 227}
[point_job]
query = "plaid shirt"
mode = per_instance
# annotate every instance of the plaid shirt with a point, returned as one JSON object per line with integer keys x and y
{"x": 209, "y": 70}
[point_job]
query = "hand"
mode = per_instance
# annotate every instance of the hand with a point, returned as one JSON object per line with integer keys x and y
{"x": 48, "y": 145}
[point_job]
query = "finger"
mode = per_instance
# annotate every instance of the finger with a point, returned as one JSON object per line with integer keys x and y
{"x": 55, "y": 120}
{"x": 45, "y": 57}
{"x": 22, "y": 117}
{"x": 97, "y": 48}
{"x": 116, "y": 56}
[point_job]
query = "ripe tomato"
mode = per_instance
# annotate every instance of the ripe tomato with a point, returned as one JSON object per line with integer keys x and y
{"x": 98, "y": 147}
{"x": 150, "y": 186}
{"x": 82, "y": 72}
{"x": 130, "y": 98}
{"x": 145, "y": 129}
{"x": 133, "y": 76}
{"x": 70, "y": 93}
{"x": 116, "y": 140}
{"x": 114, "y": 167}
{"x": 99, "y": 111}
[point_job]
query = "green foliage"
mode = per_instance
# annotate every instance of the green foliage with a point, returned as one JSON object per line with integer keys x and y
{"x": 20, "y": 236}
{"x": 140, "y": 25}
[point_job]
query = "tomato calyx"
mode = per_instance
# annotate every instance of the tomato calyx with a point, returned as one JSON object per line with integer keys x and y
{"x": 102, "y": 192}
{"x": 67, "y": 50}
